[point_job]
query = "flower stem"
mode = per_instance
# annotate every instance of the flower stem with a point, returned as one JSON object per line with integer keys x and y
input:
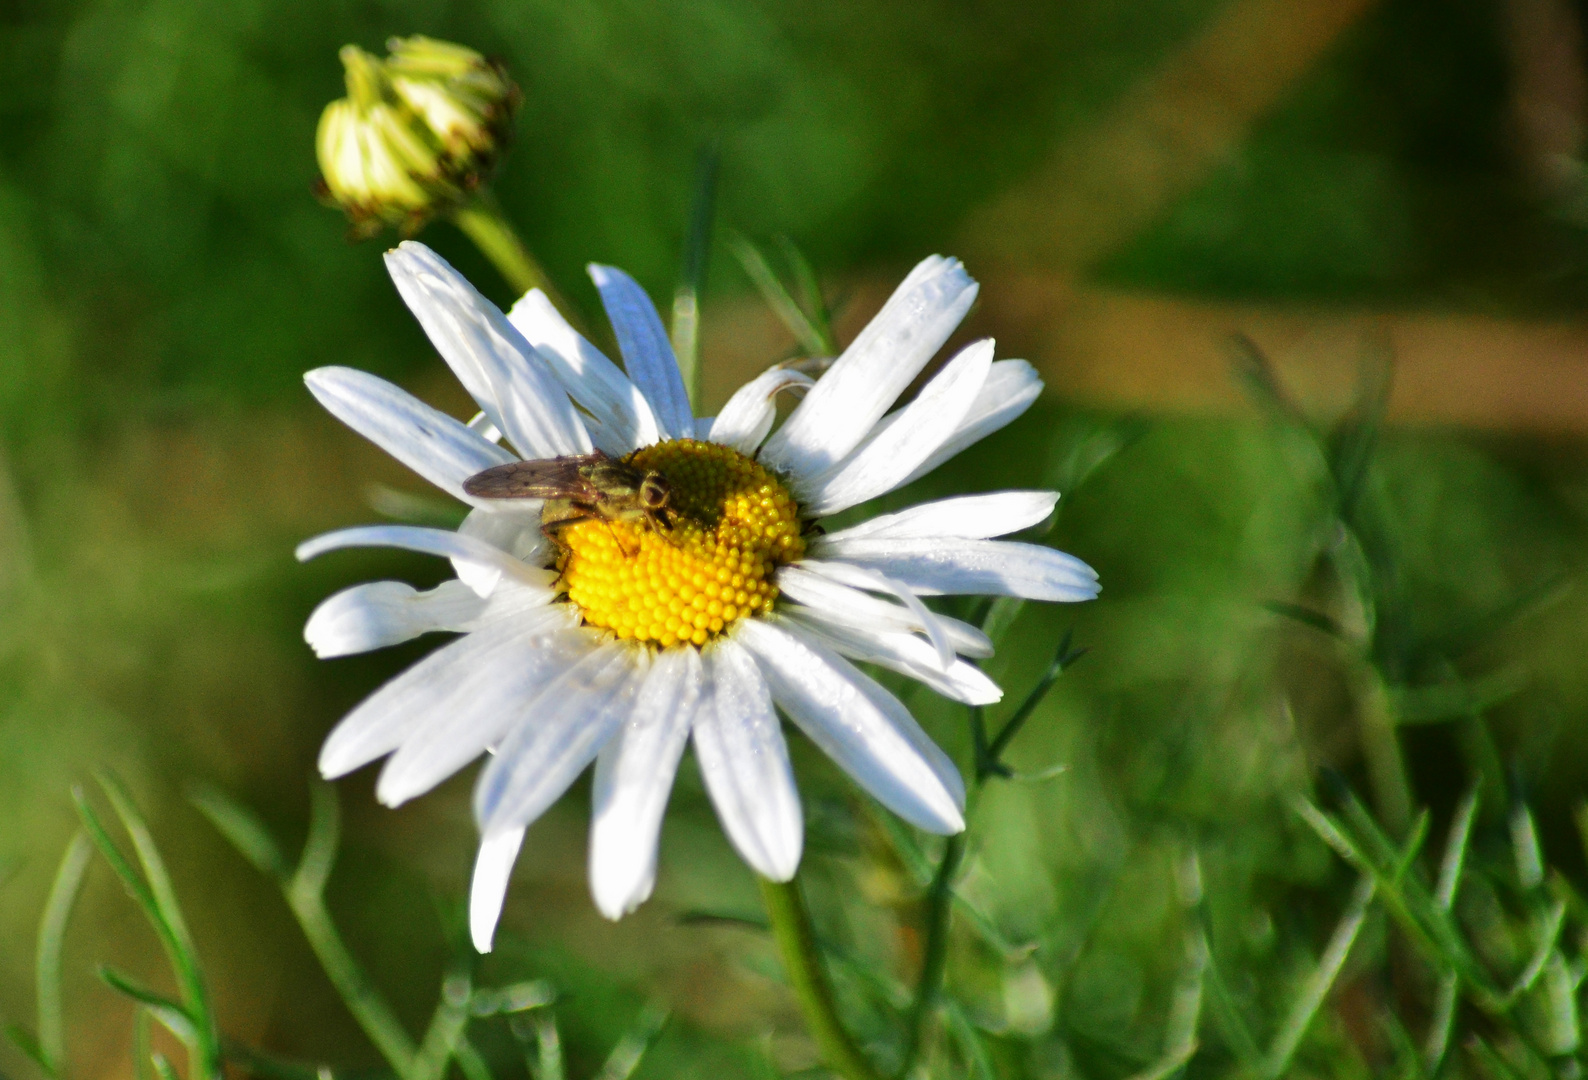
{"x": 934, "y": 959}
{"x": 796, "y": 941}
{"x": 484, "y": 222}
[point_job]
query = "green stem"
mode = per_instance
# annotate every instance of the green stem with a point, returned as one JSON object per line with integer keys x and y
{"x": 939, "y": 903}
{"x": 483, "y": 222}
{"x": 796, "y": 941}
{"x": 1386, "y": 765}
{"x": 305, "y": 894}
{"x": 52, "y": 935}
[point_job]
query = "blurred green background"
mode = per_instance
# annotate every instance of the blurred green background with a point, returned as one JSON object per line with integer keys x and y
{"x": 166, "y": 277}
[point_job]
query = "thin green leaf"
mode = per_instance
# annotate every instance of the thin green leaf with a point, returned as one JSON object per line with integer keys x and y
{"x": 305, "y": 894}
{"x": 446, "y": 1028}
{"x": 1318, "y": 985}
{"x": 1227, "y": 1017}
{"x": 1169, "y": 1065}
{"x": 269, "y": 1067}
{"x": 542, "y": 1027}
{"x": 776, "y": 296}
{"x": 519, "y": 997}
{"x": 1308, "y": 617}
{"x": 243, "y": 829}
{"x": 634, "y": 1044}
{"x": 1527, "y": 854}
{"x": 1000, "y": 616}
{"x": 142, "y": 1044}
{"x": 28, "y": 1043}
{"x": 184, "y": 958}
{"x": 47, "y": 956}
{"x": 1549, "y": 936}
{"x": 972, "y": 1047}
{"x": 1256, "y": 374}
{"x": 1063, "y": 658}
{"x": 1490, "y": 1062}
{"x": 812, "y": 302}
{"x": 1441, "y": 1022}
{"x": 692, "y": 283}
{"x": 163, "y": 1068}
{"x": 172, "y": 1016}
{"x": 1356, "y": 438}
{"x": 904, "y": 844}
{"x": 1455, "y": 857}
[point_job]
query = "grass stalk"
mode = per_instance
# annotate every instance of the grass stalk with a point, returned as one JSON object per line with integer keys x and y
{"x": 47, "y": 957}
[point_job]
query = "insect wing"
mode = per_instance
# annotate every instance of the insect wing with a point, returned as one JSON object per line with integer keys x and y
{"x": 548, "y": 478}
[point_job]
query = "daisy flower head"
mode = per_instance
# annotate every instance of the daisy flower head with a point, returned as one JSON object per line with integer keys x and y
{"x": 604, "y": 630}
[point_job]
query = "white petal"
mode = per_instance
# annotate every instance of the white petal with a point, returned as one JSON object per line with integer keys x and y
{"x": 493, "y": 868}
{"x": 596, "y": 383}
{"x": 647, "y": 354}
{"x": 858, "y": 724}
{"x": 860, "y": 577}
{"x": 870, "y": 375}
{"x": 490, "y": 563}
{"x": 901, "y": 652}
{"x": 513, "y": 526}
{"x": 428, "y": 441}
{"x": 382, "y": 613}
{"x": 497, "y": 695}
{"x": 566, "y": 725}
{"x": 988, "y": 567}
{"x": 748, "y": 416}
{"x": 391, "y": 714}
{"x": 496, "y": 365}
{"x": 1011, "y": 388}
{"x": 884, "y": 463}
{"x": 967, "y": 517}
{"x": 851, "y": 606}
{"x": 744, "y": 762}
{"x": 481, "y": 425}
{"x": 633, "y": 776}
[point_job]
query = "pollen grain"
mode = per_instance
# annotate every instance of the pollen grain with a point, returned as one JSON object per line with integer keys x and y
{"x": 732, "y": 525}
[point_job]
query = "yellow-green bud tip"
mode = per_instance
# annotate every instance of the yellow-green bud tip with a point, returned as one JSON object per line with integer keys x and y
{"x": 417, "y": 135}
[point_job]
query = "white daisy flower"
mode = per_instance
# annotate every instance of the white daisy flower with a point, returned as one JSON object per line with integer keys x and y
{"x": 627, "y": 638}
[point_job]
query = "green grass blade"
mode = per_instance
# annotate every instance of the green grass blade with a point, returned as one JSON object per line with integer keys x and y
{"x": 172, "y": 1016}
{"x": 972, "y": 1047}
{"x": 446, "y": 1028}
{"x": 776, "y": 296}
{"x": 1549, "y": 936}
{"x": 1455, "y": 857}
{"x": 548, "y": 1049}
{"x": 28, "y": 1043}
{"x": 1227, "y": 1016}
{"x": 692, "y": 284}
{"x": 632, "y": 1047}
{"x": 163, "y": 1068}
{"x": 184, "y": 961}
{"x": 243, "y": 829}
{"x": 47, "y": 956}
{"x": 305, "y": 895}
{"x": 810, "y": 294}
{"x": 1317, "y": 987}
{"x": 142, "y": 1045}
{"x": 1441, "y": 1022}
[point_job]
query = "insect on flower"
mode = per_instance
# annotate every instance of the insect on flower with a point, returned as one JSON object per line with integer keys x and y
{"x": 579, "y": 487}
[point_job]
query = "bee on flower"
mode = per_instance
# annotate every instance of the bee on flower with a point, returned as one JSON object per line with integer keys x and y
{"x": 605, "y": 629}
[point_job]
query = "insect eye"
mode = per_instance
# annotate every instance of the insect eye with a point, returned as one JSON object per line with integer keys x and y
{"x": 653, "y": 492}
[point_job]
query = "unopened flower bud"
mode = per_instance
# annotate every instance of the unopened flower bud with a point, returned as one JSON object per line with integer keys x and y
{"x": 416, "y": 135}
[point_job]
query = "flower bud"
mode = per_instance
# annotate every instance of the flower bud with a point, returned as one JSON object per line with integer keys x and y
{"x": 416, "y": 135}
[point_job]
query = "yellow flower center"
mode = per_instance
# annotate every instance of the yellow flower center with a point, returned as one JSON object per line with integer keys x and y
{"x": 732, "y": 525}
